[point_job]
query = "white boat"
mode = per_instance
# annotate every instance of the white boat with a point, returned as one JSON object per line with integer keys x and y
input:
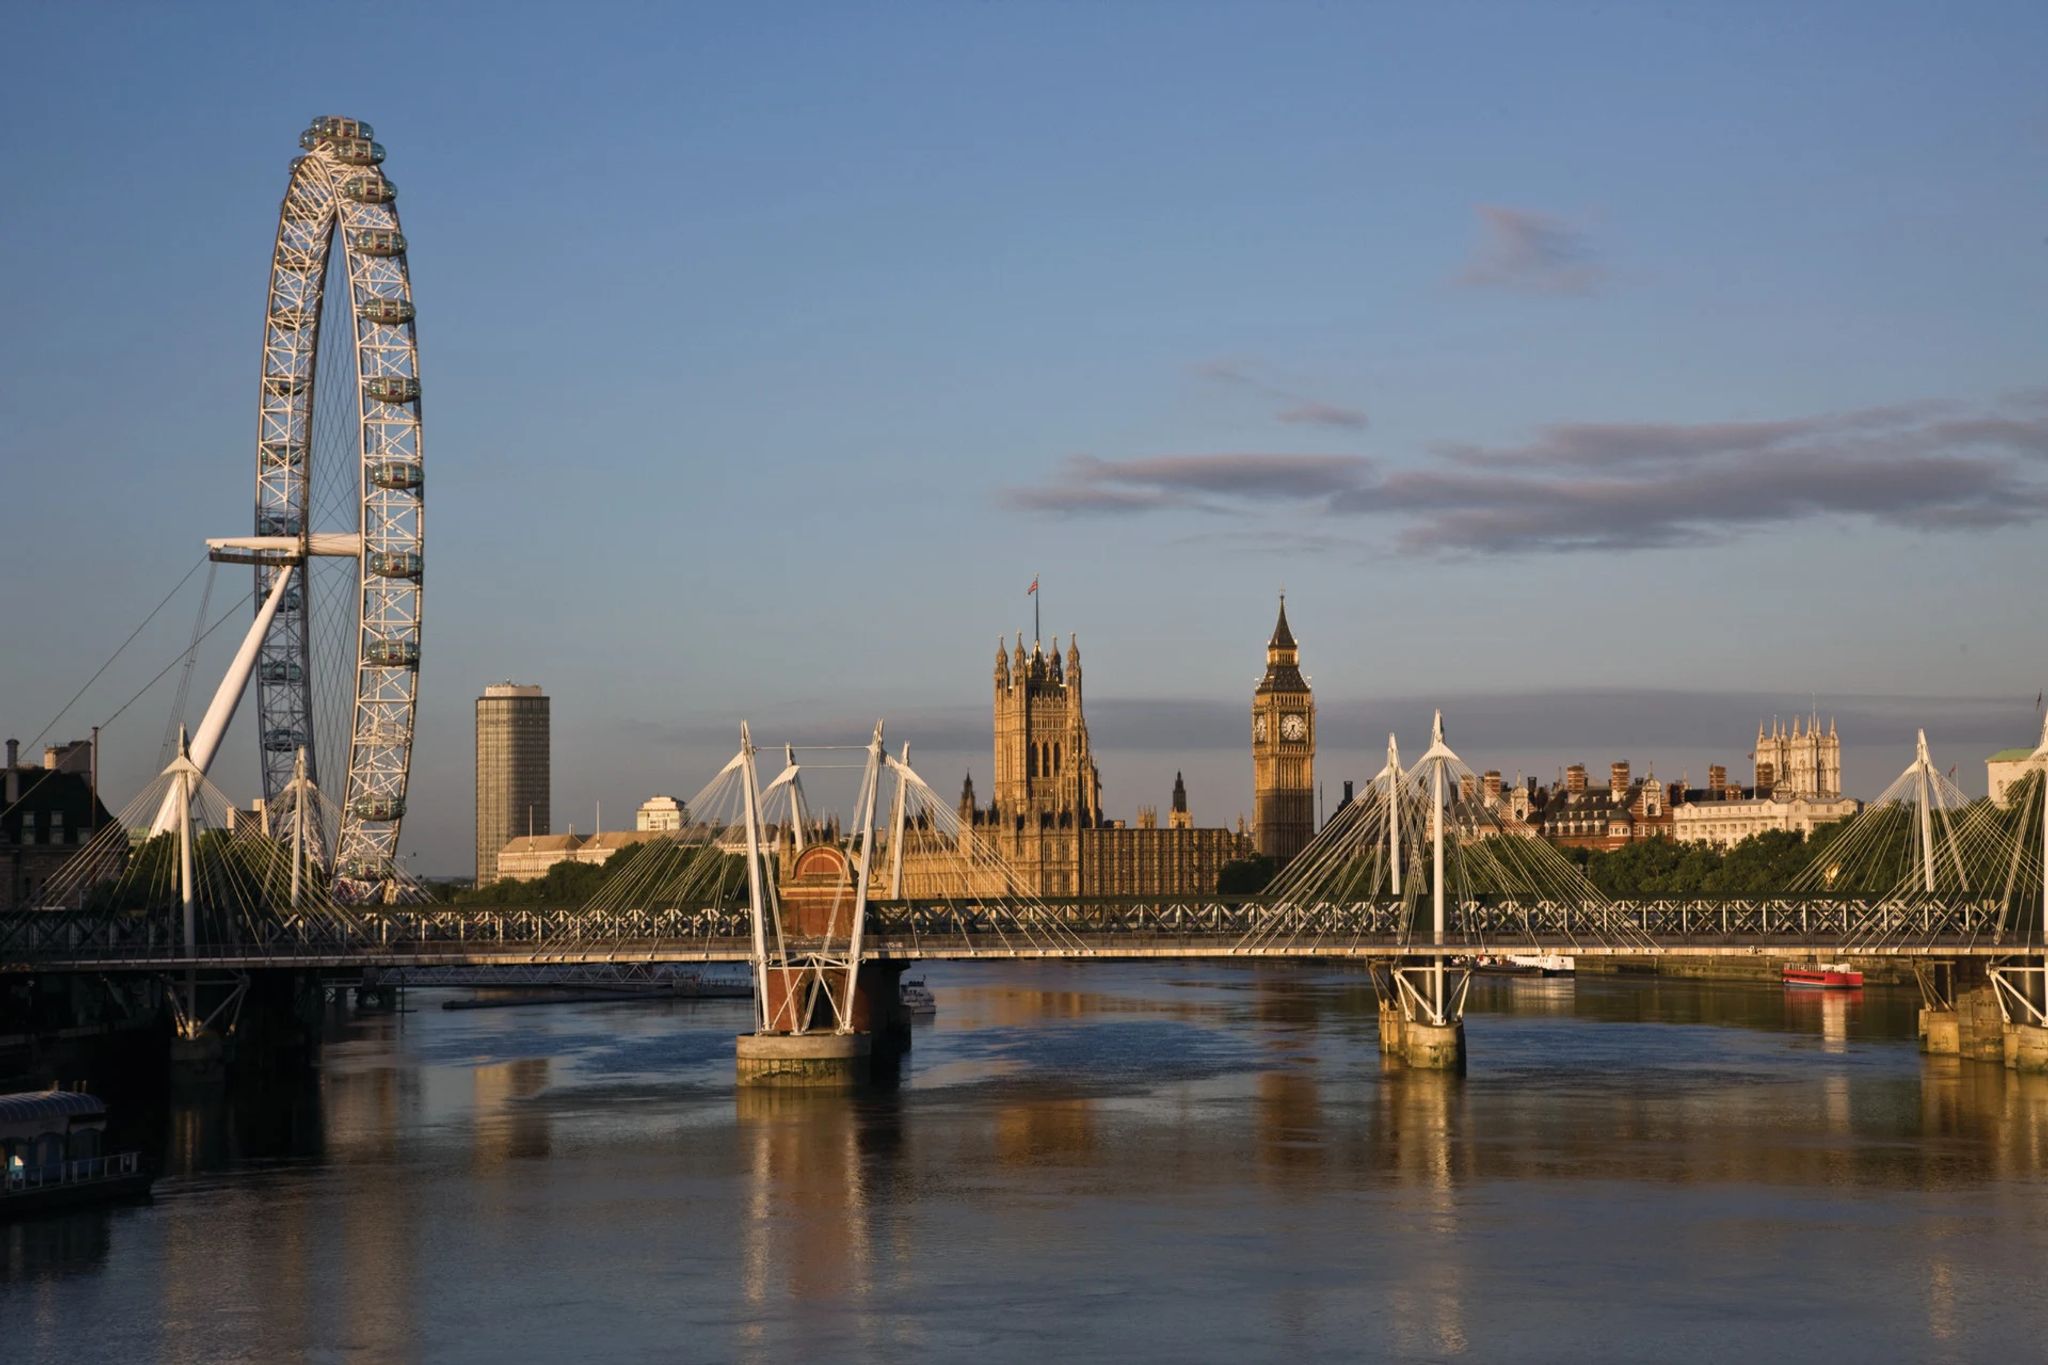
{"x": 918, "y": 1000}
{"x": 1545, "y": 964}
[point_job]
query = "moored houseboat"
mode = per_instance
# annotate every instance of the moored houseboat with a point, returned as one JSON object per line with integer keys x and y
{"x": 52, "y": 1154}
{"x": 1839, "y": 976}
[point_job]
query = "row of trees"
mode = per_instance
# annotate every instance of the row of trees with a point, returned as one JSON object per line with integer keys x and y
{"x": 1763, "y": 864}
{"x": 566, "y": 883}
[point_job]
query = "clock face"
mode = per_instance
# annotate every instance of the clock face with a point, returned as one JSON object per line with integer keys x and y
{"x": 1293, "y": 727}
{"x": 1258, "y": 727}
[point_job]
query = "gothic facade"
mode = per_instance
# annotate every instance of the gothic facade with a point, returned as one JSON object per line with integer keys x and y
{"x": 1046, "y": 820}
{"x": 1804, "y": 762}
{"x": 1283, "y": 750}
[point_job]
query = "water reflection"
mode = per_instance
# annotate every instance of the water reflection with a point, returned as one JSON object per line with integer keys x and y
{"x": 1153, "y": 1161}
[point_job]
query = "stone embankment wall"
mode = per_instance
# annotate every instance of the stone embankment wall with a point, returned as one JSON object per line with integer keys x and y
{"x": 1877, "y": 971}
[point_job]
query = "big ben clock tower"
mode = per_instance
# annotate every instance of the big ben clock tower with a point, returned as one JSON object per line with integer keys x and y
{"x": 1283, "y": 750}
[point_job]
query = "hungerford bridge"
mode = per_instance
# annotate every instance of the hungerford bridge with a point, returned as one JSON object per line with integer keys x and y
{"x": 1415, "y": 878}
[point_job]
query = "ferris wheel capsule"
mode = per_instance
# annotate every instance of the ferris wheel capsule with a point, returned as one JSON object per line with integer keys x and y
{"x": 282, "y": 741}
{"x": 335, "y": 126}
{"x": 358, "y": 152}
{"x": 397, "y": 475}
{"x": 396, "y": 564}
{"x": 386, "y": 312}
{"x": 393, "y": 388}
{"x": 379, "y": 242}
{"x": 369, "y": 189}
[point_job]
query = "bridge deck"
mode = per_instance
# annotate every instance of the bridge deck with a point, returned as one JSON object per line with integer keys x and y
{"x": 65, "y": 941}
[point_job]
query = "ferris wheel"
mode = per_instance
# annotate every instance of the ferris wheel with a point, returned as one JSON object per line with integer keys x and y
{"x": 338, "y": 542}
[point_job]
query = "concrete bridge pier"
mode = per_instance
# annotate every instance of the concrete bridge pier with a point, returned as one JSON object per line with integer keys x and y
{"x": 1422, "y": 1013}
{"x": 1985, "y": 1014}
{"x": 259, "y": 1023}
{"x": 1390, "y": 1026}
{"x": 2027, "y": 1048}
{"x": 1941, "y": 1023}
{"x": 378, "y": 993}
{"x": 1434, "y": 1047}
{"x": 814, "y": 1053}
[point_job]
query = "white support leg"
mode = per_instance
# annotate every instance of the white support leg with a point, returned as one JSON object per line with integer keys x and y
{"x": 896, "y": 828}
{"x": 206, "y": 740}
{"x": 749, "y": 782}
{"x": 1393, "y": 780}
{"x": 869, "y": 784}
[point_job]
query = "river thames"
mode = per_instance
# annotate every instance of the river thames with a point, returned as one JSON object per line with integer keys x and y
{"x": 1087, "y": 1161}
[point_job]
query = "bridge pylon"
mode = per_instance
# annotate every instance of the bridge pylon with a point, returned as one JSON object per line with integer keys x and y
{"x": 817, "y": 1006}
{"x": 1431, "y": 995}
{"x": 2019, "y": 986}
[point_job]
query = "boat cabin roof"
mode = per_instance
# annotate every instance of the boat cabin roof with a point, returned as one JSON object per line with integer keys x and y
{"x": 42, "y": 1111}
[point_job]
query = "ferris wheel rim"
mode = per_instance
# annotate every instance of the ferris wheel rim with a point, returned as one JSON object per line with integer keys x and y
{"x": 339, "y": 207}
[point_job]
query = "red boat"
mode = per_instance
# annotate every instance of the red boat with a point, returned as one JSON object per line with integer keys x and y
{"x": 1839, "y": 976}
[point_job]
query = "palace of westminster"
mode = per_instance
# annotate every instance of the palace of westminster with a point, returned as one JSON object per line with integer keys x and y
{"x": 1046, "y": 819}
{"x": 1044, "y": 824}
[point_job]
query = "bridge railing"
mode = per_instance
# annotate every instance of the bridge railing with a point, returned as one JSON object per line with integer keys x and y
{"x": 1062, "y": 928}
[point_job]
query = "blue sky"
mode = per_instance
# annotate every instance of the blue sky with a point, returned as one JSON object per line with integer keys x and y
{"x": 1613, "y": 374}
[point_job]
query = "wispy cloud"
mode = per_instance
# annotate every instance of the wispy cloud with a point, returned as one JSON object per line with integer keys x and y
{"x": 1221, "y": 483}
{"x": 1322, "y": 415}
{"x": 1298, "y": 408}
{"x": 1613, "y": 486}
{"x": 1531, "y": 253}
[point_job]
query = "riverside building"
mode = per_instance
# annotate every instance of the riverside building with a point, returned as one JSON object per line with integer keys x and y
{"x": 512, "y": 770}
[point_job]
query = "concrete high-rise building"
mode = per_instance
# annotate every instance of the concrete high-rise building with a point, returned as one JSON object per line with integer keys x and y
{"x": 1283, "y": 750}
{"x": 512, "y": 770}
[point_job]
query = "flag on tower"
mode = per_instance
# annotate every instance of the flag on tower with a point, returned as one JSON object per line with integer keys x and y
{"x": 1032, "y": 589}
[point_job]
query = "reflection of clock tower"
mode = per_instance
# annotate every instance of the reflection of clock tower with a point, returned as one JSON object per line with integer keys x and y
{"x": 1283, "y": 750}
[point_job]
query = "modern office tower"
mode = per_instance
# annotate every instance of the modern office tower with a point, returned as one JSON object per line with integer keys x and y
{"x": 512, "y": 766}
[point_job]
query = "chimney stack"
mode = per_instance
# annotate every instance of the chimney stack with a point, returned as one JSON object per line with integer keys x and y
{"x": 1717, "y": 781}
{"x": 1575, "y": 780}
{"x": 1493, "y": 787}
{"x": 1617, "y": 780}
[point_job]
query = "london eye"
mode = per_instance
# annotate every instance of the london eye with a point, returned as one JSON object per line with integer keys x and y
{"x": 338, "y": 498}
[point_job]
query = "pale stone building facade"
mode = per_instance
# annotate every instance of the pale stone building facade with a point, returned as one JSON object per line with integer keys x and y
{"x": 1729, "y": 821}
{"x": 2004, "y": 770}
{"x": 1801, "y": 762}
{"x": 661, "y": 813}
{"x": 529, "y": 857}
